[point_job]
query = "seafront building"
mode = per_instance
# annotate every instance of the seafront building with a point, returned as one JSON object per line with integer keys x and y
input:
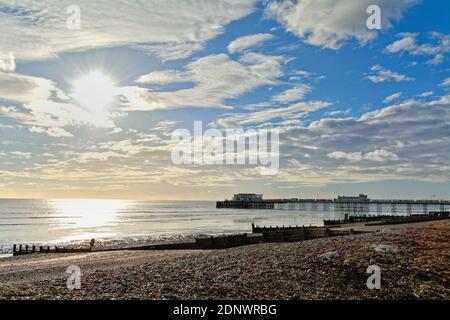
{"x": 355, "y": 205}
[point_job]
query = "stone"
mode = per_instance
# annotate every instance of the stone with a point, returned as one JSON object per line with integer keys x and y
{"x": 382, "y": 248}
{"x": 329, "y": 255}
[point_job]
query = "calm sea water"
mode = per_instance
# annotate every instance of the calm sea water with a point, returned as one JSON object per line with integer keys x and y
{"x": 61, "y": 221}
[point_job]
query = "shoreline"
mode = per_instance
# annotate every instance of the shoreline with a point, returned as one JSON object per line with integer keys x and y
{"x": 419, "y": 270}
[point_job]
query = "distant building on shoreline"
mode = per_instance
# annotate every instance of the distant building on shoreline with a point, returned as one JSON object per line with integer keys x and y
{"x": 248, "y": 197}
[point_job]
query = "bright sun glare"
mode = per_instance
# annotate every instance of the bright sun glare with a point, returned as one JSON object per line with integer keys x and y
{"x": 94, "y": 90}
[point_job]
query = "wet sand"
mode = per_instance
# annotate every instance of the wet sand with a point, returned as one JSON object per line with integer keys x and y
{"x": 419, "y": 270}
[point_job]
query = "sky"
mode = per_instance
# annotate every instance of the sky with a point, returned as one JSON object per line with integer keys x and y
{"x": 88, "y": 110}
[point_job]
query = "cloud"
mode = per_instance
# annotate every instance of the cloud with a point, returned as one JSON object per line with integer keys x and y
{"x": 20, "y": 154}
{"x": 298, "y": 110}
{"x": 445, "y": 83}
{"x": 338, "y": 112}
{"x": 329, "y": 24}
{"x": 39, "y": 110}
{"x": 426, "y": 94}
{"x": 381, "y": 156}
{"x": 407, "y": 43}
{"x": 351, "y": 156}
{"x": 379, "y": 74}
{"x": 392, "y": 97}
{"x": 55, "y": 132}
{"x": 376, "y": 155}
{"x": 170, "y": 29}
{"x": 25, "y": 89}
{"x": 215, "y": 79}
{"x": 404, "y": 141}
{"x": 162, "y": 77}
{"x": 52, "y": 118}
{"x": 408, "y": 141}
{"x": 245, "y": 43}
{"x": 438, "y": 59}
{"x": 294, "y": 94}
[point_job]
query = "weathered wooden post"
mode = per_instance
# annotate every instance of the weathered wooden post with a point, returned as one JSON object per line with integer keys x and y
{"x": 14, "y": 250}
{"x": 20, "y": 249}
{"x": 41, "y": 249}
{"x": 34, "y": 249}
{"x": 26, "y": 249}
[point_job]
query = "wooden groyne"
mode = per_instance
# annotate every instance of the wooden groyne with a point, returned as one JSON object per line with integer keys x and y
{"x": 389, "y": 219}
{"x": 231, "y": 241}
{"x": 258, "y": 235}
{"x": 298, "y": 233}
{"x": 21, "y": 249}
{"x": 411, "y": 219}
{"x": 270, "y": 235}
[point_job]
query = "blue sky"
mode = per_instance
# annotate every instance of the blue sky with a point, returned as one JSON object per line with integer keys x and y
{"x": 358, "y": 110}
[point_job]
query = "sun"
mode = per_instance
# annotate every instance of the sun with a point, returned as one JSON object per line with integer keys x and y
{"x": 94, "y": 90}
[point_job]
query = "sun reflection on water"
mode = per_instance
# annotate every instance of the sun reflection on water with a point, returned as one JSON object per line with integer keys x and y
{"x": 87, "y": 217}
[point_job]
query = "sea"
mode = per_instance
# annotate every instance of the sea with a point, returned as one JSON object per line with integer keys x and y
{"x": 121, "y": 222}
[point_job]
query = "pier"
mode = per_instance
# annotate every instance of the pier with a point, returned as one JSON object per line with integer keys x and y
{"x": 355, "y": 205}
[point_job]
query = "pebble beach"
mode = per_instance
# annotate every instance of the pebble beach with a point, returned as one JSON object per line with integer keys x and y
{"x": 417, "y": 267}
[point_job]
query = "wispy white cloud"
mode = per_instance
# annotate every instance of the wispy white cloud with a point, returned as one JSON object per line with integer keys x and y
{"x": 407, "y": 43}
{"x": 338, "y": 112}
{"x": 293, "y": 94}
{"x": 171, "y": 29}
{"x": 248, "y": 42}
{"x": 351, "y": 156}
{"x": 21, "y": 154}
{"x": 162, "y": 77}
{"x": 392, "y": 97}
{"x": 297, "y": 110}
{"x": 445, "y": 83}
{"x": 379, "y": 155}
{"x": 25, "y": 89}
{"x": 380, "y": 74}
{"x": 215, "y": 79}
{"x": 426, "y": 94}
